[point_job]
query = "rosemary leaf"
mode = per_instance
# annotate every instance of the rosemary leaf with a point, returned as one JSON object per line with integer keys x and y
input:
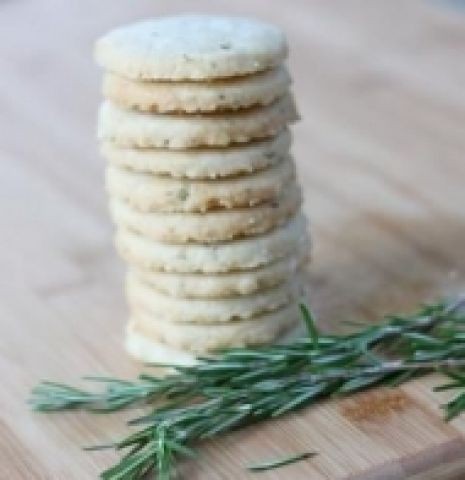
{"x": 268, "y": 465}
{"x": 310, "y": 323}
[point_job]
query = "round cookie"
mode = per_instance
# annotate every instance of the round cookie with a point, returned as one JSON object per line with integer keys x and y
{"x": 191, "y": 47}
{"x": 128, "y": 128}
{"x": 226, "y": 94}
{"x": 222, "y": 285}
{"x": 206, "y": 163}
{"x": 243, "y": 254}
{"x": 151, "y": 351}
{"x": 174, "y": 309}
{"x": 147, "y": 192}
{"x": 210, "y": 227}
{"x": 201, "y": 339}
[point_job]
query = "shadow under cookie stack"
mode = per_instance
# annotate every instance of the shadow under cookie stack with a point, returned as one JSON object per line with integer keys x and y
{"x": 201, "y": 183}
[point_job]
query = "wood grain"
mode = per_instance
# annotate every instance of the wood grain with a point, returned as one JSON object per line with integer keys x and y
{"x": 380, "y": 153}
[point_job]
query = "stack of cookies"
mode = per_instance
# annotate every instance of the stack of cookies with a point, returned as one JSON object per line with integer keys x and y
{"x": 201, "y": 183}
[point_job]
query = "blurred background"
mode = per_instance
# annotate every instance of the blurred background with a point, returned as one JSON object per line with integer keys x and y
{"x": 380, "y": 151}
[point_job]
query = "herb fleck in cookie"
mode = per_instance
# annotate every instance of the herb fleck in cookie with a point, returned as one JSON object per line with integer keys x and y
{"x": 191, "y": 47}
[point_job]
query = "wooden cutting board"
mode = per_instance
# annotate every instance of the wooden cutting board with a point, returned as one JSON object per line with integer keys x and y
{"x": 380, "y": 151}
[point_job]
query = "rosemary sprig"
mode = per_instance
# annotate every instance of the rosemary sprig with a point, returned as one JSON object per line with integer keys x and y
{"x": 244, "y": 385}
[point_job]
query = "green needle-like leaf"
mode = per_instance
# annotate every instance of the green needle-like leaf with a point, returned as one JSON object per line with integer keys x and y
{"x": 270, "y": 464}
{"x": 311, "y": 325}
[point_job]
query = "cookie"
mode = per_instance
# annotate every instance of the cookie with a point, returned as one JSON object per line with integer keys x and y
{"x": 226, "y": 94}
{"x": 197, "y": 163}
{"x": 200, "y": 339}
{"x": 128, "y": 128}
{"x": 191, "y": 47}
{"x": 187, "y": 310}
{"x": 210, "y": 227}
{"x": 221, "y": 285}
{"x": 243, "y": 254}
{"x": 148, "y": 350}
{"x": 147, "y": 192}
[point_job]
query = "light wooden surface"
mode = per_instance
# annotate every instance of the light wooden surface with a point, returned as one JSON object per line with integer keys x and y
{"x": 380, "y": 150}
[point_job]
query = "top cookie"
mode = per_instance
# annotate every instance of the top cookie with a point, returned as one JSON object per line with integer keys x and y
{"x": 191, "y": 47}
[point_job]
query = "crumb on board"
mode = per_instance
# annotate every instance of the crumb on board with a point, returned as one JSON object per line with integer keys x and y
{"x": 374, "y": 405}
